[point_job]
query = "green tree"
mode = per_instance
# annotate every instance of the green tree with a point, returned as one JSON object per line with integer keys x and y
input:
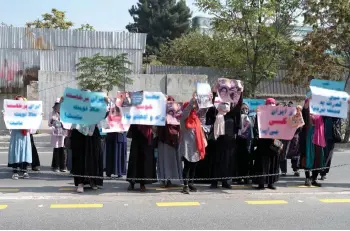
{"x": 98, "y": 73}
{"x": 86, "y": 27}
{"x": 161, "y": 20}
{"x": 198, "y": 49}
{"x": 325, "y": 52}
{"x": 56, "y": 19}
{"x": 262, "y": 29}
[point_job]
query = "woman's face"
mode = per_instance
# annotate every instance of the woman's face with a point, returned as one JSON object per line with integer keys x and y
{"x": 224, "y": 92}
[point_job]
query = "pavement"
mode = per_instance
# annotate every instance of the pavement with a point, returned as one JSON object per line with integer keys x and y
{"x": 49, "y": 201}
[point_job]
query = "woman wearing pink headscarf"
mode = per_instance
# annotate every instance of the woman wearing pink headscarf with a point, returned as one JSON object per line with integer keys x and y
{"x": 312, "y": 142}
{"x": 266, "y": 158}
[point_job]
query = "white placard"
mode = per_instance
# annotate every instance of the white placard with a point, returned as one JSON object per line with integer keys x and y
{"x": 22, "y": 114}
{"x": 329, "y": 102}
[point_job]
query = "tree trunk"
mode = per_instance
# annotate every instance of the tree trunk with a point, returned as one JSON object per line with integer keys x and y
{"x": 347, "y": 131}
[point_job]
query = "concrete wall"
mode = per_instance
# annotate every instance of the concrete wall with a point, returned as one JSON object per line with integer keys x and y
{"x": 51, "y": 85}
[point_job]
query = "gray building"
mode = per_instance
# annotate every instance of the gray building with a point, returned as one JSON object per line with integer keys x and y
{"x": 25, "y": 51}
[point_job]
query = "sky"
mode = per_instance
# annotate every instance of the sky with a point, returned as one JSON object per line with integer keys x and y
{"x": 104, "y": 15}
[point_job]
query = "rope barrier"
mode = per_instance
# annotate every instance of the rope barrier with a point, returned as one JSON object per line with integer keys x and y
{"x": 160, "y": 179}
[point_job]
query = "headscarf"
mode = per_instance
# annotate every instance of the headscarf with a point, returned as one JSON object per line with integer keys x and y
{"x": 319, "y": 138}
{"x": 146, "y": 130}
{"x": 193, "y": 122}
{"x": 169, "y": 134}
{"x": 246, "y": 130}
{"x": 270, "y": 101}
{"x": 219, "y": 125}
{"x": 24, "y": 132}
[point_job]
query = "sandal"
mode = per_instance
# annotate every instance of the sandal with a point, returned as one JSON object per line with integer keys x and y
{"x": 142, "y": 188}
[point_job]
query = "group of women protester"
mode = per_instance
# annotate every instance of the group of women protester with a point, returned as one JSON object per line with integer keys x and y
{"x": 217, "y": 143}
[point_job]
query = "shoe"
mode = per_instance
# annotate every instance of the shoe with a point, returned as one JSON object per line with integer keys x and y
{"x": 192, "y": 188}
{"x": 316, "y": 184}
{"x": 284, "y": 174}
{"x": 296, "y": 173}
{"x": 99, "y": 186}
{"x": 271, "y": 186}
{"x": 168, "y": 184}
{"x": 55, "y": 170}
{"x": 308, "y": 182}
{"x": 323, "y": 178}
{"x": 131, "y": 187}
{"x": 214, "y": 186}
{"x": 26, "y": 175}
{"x": 80, "y": 188}
{"x": 15, "y": 176}
{"x": 260, "y": 187}
{"x": 186, "y": 190}
{"x": 36, "y": 169}
{"x": 63, "y": 170}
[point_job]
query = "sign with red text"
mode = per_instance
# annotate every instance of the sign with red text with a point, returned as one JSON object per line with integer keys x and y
{"x": 22, "y": 114}
{"x": 144, "y": 108}
{"x": 83, "y": 107}
{"x": 274, "y": 123}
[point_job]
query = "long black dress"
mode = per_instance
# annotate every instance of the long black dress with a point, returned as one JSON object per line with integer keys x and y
{"x": 35, "y": 155}
{"x": 266, "y": 161}
{"x": 87, "y": 157}
{"x": 142, "y": 163}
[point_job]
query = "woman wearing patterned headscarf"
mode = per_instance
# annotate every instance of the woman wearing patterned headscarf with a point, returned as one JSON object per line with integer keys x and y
{"x": 266, "y": 158}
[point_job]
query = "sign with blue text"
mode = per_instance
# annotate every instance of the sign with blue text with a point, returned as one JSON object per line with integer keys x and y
{"x": 22, "y": 114}
{"x": 83, "y": 107}
{"x": 151, "y": 111}
{"x": 330, "y": 103}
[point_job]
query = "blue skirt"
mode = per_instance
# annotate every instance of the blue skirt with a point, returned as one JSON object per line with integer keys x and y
{"x": 20, "y": 149}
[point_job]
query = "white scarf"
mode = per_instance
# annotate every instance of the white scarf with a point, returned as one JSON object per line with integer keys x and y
{"x": 219, "y": 125}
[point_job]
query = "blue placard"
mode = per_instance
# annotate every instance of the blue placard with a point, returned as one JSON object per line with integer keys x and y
{"x": 83, "y": 107}
{"x": 328, "y": 84}
{"x": 253, "y": 104}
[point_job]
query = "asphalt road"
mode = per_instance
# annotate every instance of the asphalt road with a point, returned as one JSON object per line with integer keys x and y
{"x": 48, "y": 201}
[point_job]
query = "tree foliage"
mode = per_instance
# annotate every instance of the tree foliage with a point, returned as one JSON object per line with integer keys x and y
{"x": 56, "y": 19}
{"x": 325, "y": 52}
{"x": 98, "y": 73}
{"x": 263, "y": 31}
{"x": 86, "y": 27}
{"x": 161, "y": 20}
{"x": 198, "y": 49}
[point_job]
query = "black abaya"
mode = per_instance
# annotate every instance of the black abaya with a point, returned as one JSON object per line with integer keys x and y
{"x": 87, "y": 157}
{"x": 35, "y": 155}
{"x": 266, "y": 161}
{"x": 142, "y": 163}
{"x": 116, "y": 154}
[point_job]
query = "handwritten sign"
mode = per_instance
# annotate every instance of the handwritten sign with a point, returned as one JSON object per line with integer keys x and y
{"x": 83, "y": 107}
{"x": 173, "y": 113}
{"x": 328, "y": 84}
{"x": 113, "y": 121}
{"x": 253, "y": 104}
{"x": 22, "y": 114}
{"x": 229, "y": 90}
{"x": 204, "y": 95}
{"x": 152, "y": 110}
{"x": 273, "y": 122}
{"x": 329, "y": 102}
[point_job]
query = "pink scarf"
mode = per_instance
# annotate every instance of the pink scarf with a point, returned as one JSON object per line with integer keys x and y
{"x": 319, "y": 138}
